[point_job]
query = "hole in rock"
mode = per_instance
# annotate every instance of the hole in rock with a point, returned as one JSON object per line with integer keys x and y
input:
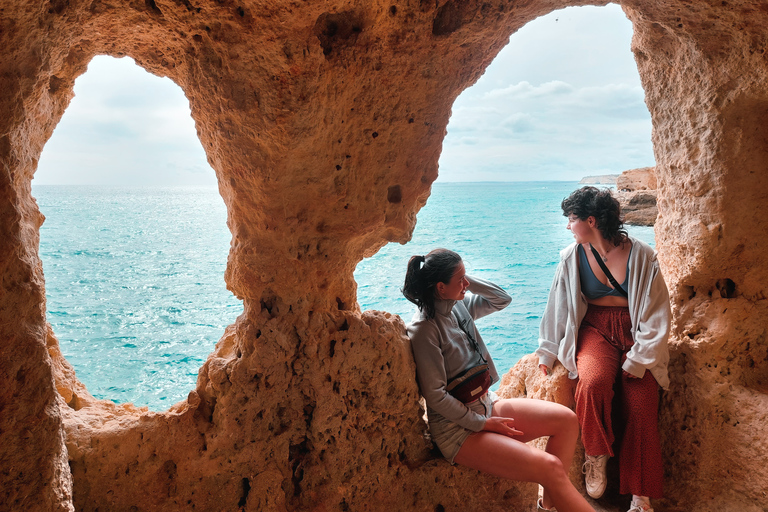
{"x": 135, "y": 243}
{"x": 561, "y": 102}
{"x": 394, "y": 194}
{"x": 726, "y": 287}
{"x": 337, "y": 30}
{"x": 246, "y": 489}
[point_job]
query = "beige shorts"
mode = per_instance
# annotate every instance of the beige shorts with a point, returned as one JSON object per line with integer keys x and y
{"x": 449, "y": 436}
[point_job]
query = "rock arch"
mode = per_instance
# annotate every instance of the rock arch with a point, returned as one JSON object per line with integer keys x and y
{"x": 324, "y": 123}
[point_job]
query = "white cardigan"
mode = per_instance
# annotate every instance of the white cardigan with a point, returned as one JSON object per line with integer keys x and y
{"x": 649, "y": 312}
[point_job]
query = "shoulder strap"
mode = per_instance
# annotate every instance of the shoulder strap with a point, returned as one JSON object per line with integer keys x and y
{"x": 608, "y": 272}
{"x": 463, "y": 326}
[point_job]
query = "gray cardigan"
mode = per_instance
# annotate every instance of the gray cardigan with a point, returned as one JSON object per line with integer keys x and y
{"x": 649, "y": 312}
{"x": 442, "y": 350}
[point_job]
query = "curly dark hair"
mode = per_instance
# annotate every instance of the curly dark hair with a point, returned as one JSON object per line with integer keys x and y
{"x": 598, "y": 203}
{"x": 424, "y": 272}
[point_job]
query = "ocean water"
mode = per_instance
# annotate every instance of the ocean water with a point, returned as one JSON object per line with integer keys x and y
{"x": 135, "y": 289}
{"x": 508, "y": 233}
{"x": 135, "y": 286}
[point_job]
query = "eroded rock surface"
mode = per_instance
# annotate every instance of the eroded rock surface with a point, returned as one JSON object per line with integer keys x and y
{"x": 324, "y": 122}
{"x": 635, "y": 180}
{"x": 636, "y": 191}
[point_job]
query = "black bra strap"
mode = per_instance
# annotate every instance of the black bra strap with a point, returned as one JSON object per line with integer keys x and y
{"x": 607, "y": 272}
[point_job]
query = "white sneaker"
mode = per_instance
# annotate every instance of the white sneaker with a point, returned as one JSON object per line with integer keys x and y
{"x": 594, "y": 471}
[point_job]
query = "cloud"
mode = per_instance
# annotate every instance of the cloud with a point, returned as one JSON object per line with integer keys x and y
{"x": 551, "y": 131}
{"x": 125, "y": 127}
{"x": 583, "y": 116}
{"x": 468, "y": 141}
{"x": 519, "y": 122}
{"x": 525, "y": 91}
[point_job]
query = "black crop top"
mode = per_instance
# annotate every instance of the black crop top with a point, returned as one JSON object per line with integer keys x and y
{"x": 591, "y": 286}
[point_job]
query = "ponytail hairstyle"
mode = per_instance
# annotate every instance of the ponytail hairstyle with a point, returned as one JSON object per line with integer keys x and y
{"x": 423, "y": 274}
{"x": 592, "y": 202}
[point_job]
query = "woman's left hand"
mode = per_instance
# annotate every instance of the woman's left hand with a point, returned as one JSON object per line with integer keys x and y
{"x": 503, "y": 426}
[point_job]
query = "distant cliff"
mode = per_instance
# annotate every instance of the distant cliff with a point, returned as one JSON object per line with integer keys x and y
{"x": 604, "y": 179}
{"x": 636, "y": 191}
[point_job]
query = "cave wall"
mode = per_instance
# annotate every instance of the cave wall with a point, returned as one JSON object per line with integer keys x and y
{"x": 703, "y": 67}
{"x": 324, "y": 123}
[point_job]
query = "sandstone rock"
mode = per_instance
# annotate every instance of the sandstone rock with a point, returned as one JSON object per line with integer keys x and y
{"x": 633, "y": 180}
{"x": 324, "y": 123}
{"x": 639, "y": 208}
{"x": 636, "y": 191}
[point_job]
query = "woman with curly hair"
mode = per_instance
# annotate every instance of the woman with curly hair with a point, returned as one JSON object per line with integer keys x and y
{"x": 475, "y": 427}
{"x": 607, "y": 322}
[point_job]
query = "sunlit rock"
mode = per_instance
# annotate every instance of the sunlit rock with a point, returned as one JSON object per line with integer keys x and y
{"x": 324, "y": 123}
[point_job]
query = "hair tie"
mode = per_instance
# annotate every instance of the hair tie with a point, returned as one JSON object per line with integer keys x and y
{"x": 421, "y": 260}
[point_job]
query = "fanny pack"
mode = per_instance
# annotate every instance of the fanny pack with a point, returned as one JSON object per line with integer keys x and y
{"x": 473, "y": 382}
{"x": 470, "y": 384}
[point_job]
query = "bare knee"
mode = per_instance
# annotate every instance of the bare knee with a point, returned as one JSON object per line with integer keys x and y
{"x": 553, "y": 473}
{"x": 567, "y": 419}
{"x": 566, "y": 415}
{"x": 571, "y": 427}
{"x": 571, "y": 420}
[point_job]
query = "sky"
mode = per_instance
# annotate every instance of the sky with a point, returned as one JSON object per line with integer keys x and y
{"x": 124, "y": 127}
{"x": 562, "y": 101}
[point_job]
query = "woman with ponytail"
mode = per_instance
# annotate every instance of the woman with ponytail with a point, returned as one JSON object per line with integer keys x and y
{"x": 607, "y": 322}
{"x": 469, "y": 423}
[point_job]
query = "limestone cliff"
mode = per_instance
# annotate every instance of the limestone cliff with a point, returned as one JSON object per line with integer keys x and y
{"x": 603, "y": 179}
{"x": 324, "y": 122}
{"x": 636, "y": 191}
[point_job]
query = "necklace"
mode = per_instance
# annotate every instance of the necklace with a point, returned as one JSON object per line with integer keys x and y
{"x": 604, "y": 258}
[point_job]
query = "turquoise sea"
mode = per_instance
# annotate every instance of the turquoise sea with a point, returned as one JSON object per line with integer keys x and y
{"x": 135, "y": 288}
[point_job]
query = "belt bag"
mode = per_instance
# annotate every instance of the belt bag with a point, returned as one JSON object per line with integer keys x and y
{"x": 470, "y": 384}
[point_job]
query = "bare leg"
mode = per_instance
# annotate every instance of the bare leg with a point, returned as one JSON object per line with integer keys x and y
{"x": 538, "y": 418}
{"x": 511, "y": 458}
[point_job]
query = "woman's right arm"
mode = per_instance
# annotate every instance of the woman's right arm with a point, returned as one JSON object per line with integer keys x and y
{"x": 485, "y": 298}
{"x": 430, "y": 372}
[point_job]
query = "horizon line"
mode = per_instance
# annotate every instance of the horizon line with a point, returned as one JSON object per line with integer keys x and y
{"x": 179, "y": 185}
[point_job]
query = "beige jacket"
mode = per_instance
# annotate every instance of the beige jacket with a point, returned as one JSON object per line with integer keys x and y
{"x": 648, "y": 309}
